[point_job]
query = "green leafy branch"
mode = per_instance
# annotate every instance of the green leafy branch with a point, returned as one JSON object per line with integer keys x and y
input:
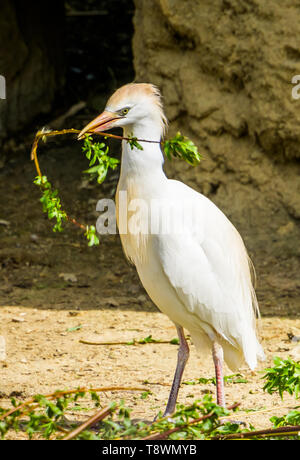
{"x": 97, "y": 152}
{"x": 183, "y": 148}
{"x": 45, "y": 416}
{"x": 99, "y": 163}
{"x": 51, "y": 202}
{"x": 179, "y": 146}
{"x": 283, "y": 377}
{"x": 233, "y": 378}
{"x": 52, "y": 206}
{"x": 91, "y": 235}
{"x": 292, "y": 418}
{"x": 133, "y": 142}
{"x": 143, "y": 341}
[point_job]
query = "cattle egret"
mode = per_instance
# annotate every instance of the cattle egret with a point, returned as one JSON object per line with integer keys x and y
{"x": 200, "y": 277}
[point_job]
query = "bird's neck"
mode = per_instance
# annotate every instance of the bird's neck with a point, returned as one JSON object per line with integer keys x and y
{"x": 142, "y": 179}
{"x": 147, "y": 162}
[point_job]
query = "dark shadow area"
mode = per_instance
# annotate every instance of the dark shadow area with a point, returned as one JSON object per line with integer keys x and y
{"x": 98, "y": 48}
{"x": 91, "y": 55}
{"x": 58, "y": 270}
{"x": 57, "y": 55}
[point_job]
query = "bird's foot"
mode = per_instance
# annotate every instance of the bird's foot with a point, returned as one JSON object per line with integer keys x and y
{"x": 166, "y": 415}
{"x": 233, "y": 421}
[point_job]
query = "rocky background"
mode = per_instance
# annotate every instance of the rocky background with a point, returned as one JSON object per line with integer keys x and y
{"x": 31, "y": 60}
{"x": 224, "y": 68}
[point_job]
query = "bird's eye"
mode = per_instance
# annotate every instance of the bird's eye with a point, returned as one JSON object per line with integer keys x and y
{"x": 125, "y": 111}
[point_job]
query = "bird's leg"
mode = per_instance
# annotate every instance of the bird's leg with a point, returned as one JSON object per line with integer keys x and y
{"x": 218, "y": 356}
{"x": 217, "y": 352}
{"x": 183, "y": 356}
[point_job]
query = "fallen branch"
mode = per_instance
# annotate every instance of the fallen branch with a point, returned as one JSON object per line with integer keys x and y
{"x": 133, "y": 342}
{"x": 282, "y": 430}
{"x": 100, "y": 415}
{"x": 165, "y": 434}
{"x": 58, "y": 394}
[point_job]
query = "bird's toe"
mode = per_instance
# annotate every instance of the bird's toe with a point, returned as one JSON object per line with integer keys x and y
{"x": 234, "y": 422}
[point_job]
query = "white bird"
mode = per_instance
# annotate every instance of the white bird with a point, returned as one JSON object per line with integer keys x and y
{"x": 199, "y": 277}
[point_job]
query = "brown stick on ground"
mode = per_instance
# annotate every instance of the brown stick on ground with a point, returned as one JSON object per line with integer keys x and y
{"x": 58, "y": 394}
{"x": 100, "y": 415}
{"x": 280, "y": 431}
{"x": 134, "y": 342}
{"x": 165, "y": 434}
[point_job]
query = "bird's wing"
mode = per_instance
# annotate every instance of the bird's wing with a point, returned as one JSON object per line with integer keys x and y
{"x": 208, "y": 267}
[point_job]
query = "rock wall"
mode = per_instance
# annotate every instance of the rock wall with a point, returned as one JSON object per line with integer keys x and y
{"x": 225, "y": 69}
{"x": 31, "y": 60}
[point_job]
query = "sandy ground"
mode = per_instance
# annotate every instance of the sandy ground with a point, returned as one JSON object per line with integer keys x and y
{"x": 44, "y": 355}
{"x": 51, "y": 283}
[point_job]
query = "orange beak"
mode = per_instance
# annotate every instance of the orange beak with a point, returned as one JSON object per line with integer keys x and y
{"x": 104, "y": 121}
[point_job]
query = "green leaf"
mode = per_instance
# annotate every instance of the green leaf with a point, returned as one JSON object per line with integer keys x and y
{"x": 51, "y": 202}
{"x": 91, "y": 235}
{"x": 174, "y": 341}
{"x": 148, "y": 339}
{"x": 133, "y": 142}
{"x": 100, "y": 161}
{"x": 183, "y": 148}
{"x": 284, "y": 376}
{"x": 145, "y": 394}
{"x": 292, "y": 418}
{"x": 102, "y": 173}
{"x": 75, "y": 328}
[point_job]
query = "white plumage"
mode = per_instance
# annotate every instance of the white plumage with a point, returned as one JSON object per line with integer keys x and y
{"x": 198, "y": 275}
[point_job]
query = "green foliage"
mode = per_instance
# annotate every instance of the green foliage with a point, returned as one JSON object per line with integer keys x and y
{"x": 201, "y": 380}
{"x": 234, "y": 378}
{"x": 292, "y": 418}
{"x": 203, "y": 419}
{"x": 133, "y": 142}
{"x": 145, "y": 394}
{"x": 51, "y": 202}
{"x": 91, "y": 235}
{"x": 100, "y": 161}
{"x": 43, "y": 417}
{"x": 46, "y": 418}
{"x": 148, "y": 339}
{"x": 183, "y": 148}
{"x": 283, "y": 377}
{"x": 182, "y": 425}
{"x": 174, "y": 341}
{"x": 52, "y": 206}
{"x": 75, "y": 328}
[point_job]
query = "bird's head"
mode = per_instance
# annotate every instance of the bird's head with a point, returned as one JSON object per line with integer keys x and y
{"x": 136, "y": 107}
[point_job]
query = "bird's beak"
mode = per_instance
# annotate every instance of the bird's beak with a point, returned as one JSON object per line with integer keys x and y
{"x": 104, "y": 121}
